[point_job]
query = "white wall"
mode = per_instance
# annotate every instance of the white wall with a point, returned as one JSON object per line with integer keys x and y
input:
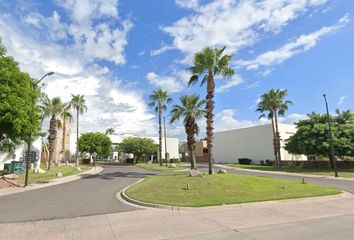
{"x": 255, "y": 143}
{"x": 17, "y": 154}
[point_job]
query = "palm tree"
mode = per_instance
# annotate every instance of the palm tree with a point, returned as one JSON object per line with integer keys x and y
{"x": 158, "y": 100}
{"x": 110, "y": 131}
{"x": 208, "y": 64}
{"x": 191, "y": 109}
{"x": 54, "y": 109}
{"x": 273, "y": 102}
{"x": 65, "y": 114}
{"x": 78, "y": 102}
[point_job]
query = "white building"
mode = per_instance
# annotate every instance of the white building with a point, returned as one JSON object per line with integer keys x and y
{"x": 255, "y": 143}
{"x": 19, "y": 152}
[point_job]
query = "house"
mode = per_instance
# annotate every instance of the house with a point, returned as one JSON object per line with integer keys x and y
{"x": 255, "y": 143}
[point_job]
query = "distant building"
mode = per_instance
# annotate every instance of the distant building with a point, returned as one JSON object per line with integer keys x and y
{"x": 172, "y": 145}
{"x": 255, "y": 143}
{"x": 201, "y": 151}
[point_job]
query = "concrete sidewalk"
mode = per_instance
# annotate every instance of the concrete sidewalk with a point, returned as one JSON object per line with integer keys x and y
{"x": 184, "y": 224}
{"x": 53, "y": 182}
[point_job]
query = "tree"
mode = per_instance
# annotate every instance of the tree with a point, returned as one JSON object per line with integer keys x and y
{"x": 19, "y": 113}
{"x": 158, "y": 100}
{"x": 54, "y": 110}
{"x": 65, "y": 114}
{"x": 208, "y": 64}
{"x": 191, "y": 109}
{"x": 95, "y": 142}
{"x": 274, "y": 104}
{"x": 78, "y": 103}
{"x": 110, "y": 131}
{"x": 138, "y": 146}
{"x": 312, "y": 136}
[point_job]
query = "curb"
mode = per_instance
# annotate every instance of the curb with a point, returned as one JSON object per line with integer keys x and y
{"x": 123, "y": 197}
{"x": 53, "y": 182}
{"x": 285, "y": 173}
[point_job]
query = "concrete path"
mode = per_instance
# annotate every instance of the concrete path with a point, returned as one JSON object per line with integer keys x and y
{"x": 315, "y": 218}
{"x": 88, "y": 196}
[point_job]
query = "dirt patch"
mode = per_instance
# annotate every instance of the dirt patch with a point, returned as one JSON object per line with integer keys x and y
{"x": 10, "y": 183}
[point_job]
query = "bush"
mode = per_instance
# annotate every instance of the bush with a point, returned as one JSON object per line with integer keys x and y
{"x": 86, "y": 161}
{"x": 245, "y": 161}
{"x": 130, "y": 160}
{"x": 262, "y": 162}
{"x": 269, "y": 162}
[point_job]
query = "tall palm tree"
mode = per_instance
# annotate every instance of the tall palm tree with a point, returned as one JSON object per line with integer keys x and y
{"x": 110, "y": 131}
{"x": 54, "y": 109}
{"x": 66, "y": 115}
{"x": 158, "y": 100}
{"x": 208, "y": 64}
{"x": 191, "y": 109}
{"x": 78, "y": 102}
{"x": 273, "y": 102}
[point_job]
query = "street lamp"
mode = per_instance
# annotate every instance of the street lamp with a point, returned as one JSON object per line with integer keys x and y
{"x": 30, "y": 134}
{"x": 164, "y": 130}
{"x": 333, "y": 158}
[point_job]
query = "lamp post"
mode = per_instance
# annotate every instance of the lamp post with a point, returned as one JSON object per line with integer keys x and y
{"x": 333, "y": 158}
{"x": 30, "y": 134}
{"x": 164, "y": 130}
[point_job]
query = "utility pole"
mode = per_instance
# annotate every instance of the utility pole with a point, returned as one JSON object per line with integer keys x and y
{"x": 333, "y": 158}
{"x": 30, "y": 136}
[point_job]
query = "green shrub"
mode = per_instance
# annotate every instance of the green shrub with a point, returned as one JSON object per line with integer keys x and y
{"x": 245, "y": 161}
{"x": 269, "y": 162}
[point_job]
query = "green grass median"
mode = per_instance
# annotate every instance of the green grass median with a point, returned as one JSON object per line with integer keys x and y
{"x": 348, "y": 173}
{"x": 219, "y": 189}
{"x": 157, "y": 167}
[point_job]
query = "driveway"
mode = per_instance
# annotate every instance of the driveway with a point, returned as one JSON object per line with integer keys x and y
{"x": 92, "y": 195}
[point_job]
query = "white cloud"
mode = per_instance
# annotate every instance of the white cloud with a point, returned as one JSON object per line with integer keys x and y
{"x": 253, "y": 85}
{"x": 169, "y": 83}
{"x": 160, "y": 50}
{"x": 188, "y": 3}
{"x": 110, "y": 103}
{"x": 234, "y": 24}
{"x": 299, "y": 45}
{"x": 342, "y": 100}
{"x": 225, "y": 120}
{"x": 234, "y": 81}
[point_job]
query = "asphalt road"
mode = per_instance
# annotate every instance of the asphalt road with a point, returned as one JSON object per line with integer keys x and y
{"x": 92, "y": 195}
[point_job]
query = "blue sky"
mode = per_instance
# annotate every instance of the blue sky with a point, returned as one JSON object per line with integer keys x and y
{"x": 116, "y": 52}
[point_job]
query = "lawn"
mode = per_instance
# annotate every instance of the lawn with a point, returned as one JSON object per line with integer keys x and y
{"x": 348, "y": 173}
{"x": 49, "y": 175}
{"x": 219, "y": 189}
{"x": 157, "y": 167}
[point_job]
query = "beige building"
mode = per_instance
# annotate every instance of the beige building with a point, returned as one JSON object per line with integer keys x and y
{"x": 201, "y": 151}
{"x": 255, "y": 143}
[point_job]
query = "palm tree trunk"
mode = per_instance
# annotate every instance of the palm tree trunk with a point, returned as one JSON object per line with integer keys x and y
{"x": 190, "y": 128}
{"x": 210, "y": 119}
{"x": 64, "y": 132}
{"x": 274, "y": 141}
{"x": 277, "y": 137}
{"x": 52, "y": 140}
{"x": 77, "y": 136}
{"x": 160, "y": 134}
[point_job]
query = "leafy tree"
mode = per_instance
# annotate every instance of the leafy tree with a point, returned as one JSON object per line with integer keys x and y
{"x": 54, "y": 110}
{"x": 138, "y": 146}
{"x": 274, "y": 104}
{"x": 19, "y": 113}
{"x": 158, "y": 100}
{"x": 78, "y": 102}
{"x": 191, "y": 109}
{"x": 208, "y": 64}
{"x": 312, "y": 136}
{"x": 110, "y": 131}
{"x": 95, "y": 142}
